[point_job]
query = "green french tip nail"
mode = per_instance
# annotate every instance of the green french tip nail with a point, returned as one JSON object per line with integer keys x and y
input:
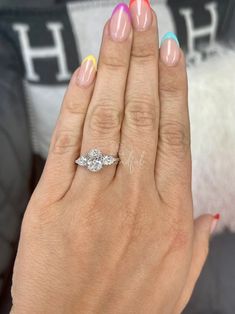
{"x": 170, "y": 35}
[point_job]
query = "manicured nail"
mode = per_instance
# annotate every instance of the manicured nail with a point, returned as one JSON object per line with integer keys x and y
{"x": 215, "y": 222}
{"x": 120, "y": 23}
{"x": 170, "y": 49}
{"x": 141, "y": 14}
{"x": 87, "y": 71}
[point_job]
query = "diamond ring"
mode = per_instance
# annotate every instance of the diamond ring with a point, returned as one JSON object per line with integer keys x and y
{"x": 95, "y": 160}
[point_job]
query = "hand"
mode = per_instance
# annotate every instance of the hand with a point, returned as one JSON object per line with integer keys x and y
{"x": 122, "y": 240}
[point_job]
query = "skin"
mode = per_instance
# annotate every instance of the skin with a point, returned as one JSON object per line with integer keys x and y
{"x": 122, "y": 240}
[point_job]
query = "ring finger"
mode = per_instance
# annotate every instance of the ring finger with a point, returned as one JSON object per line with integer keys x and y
{"x": 104, "y": 117}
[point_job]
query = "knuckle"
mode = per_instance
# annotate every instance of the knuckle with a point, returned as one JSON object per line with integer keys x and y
{"x": 105, "y": 119}
{"x": 173, "y": 86}
{"x": 113, "y": 62}
{"x": 75, "y": 107}
{"x": 144, "y": 53}
{"x": 176, "y": 136}
{"x": 141, "y": 114}
{"x": 64, "y": 142}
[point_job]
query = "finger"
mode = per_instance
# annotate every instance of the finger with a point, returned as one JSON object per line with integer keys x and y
{"x": 140, "y": 125}
{"x": 66, "y": 140}
{"x": 173, "y": 163}
{"x": 203, "y": 227}
{"x": 104, "y": 117}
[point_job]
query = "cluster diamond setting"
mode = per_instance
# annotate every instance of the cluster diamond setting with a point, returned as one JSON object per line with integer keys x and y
{"x": 94, "y": 160}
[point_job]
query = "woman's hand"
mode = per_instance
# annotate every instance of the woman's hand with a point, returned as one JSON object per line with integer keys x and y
{"x": 121, "y": 240}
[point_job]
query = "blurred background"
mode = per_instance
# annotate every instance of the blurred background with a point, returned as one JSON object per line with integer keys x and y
{"x": 42, "y": 43}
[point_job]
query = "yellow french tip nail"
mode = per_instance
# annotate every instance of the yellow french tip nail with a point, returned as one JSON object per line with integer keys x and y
{"x": 91, "y": 58}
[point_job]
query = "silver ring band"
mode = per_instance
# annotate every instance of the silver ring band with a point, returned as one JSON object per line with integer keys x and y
{"x": 95, "y": 160}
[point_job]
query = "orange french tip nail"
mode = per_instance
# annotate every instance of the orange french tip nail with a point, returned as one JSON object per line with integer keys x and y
{"x": 133, "y": 1}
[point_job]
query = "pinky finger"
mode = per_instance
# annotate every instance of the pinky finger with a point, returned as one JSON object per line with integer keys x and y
{"x": 204, "y": 226}
{"x": 66, "y": 140}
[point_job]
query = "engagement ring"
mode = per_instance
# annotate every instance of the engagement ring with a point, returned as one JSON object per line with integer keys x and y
{"x": 95, "y": 160}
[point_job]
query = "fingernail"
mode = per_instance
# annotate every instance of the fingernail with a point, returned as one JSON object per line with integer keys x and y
{"x": 215, "y": 222}
{"x": 170, "y": 49}
{"x": 141, "y": 14}
{"x": 87, "y": 71}
{"x": 120, "y": 23}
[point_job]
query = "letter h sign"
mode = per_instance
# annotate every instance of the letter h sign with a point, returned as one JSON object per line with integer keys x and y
{"x": 57, "y": 51}
{"x": 196, "y": 33}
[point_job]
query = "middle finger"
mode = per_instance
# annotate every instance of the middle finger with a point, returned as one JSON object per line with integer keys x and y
{"x": 140, "y": 125}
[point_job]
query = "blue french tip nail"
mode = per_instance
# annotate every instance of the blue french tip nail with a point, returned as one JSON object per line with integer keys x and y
{"x": 170, "y": 35}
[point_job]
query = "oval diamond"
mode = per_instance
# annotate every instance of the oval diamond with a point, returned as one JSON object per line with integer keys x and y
{"x": 95, "y": 164}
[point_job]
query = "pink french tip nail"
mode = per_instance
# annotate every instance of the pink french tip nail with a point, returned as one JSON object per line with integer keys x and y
{"x": 141, "y": 14}
{"x": 215, "y": 222}
{"x": 120, "y": 23}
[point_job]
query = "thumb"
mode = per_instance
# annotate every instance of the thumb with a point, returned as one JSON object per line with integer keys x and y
{"x": 203, "y": 228}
